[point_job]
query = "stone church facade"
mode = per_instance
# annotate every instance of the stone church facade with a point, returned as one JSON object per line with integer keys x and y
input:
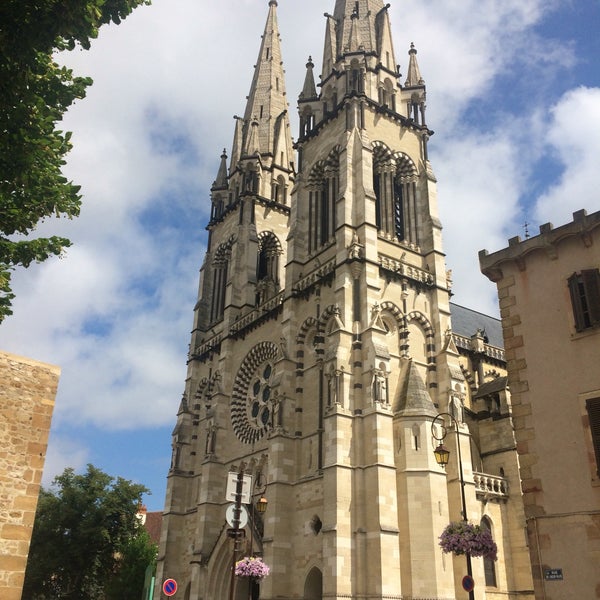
{"x": 325, "y": 345}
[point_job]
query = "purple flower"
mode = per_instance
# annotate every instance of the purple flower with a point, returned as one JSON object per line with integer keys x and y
{"x": 462, "y": 537}
{"x": 251, "y": 566}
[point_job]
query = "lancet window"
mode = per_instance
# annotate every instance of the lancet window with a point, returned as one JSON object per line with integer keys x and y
{"x": 220, "y": 274}
{"x": 394, "y": 183}
{"x": 323, "y": 191}
{"x": 267, "y": 268}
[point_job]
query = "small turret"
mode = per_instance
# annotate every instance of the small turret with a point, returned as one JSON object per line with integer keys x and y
{"x": 220, "y": 183}
{"x": 414, "y": 93}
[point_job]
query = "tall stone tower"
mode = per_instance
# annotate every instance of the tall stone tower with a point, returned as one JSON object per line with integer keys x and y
{"x": 323, "y": 350}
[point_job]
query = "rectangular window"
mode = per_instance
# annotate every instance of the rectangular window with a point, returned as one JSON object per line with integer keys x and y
{"x": 585, "y": 298}
{"x": 593, "y": 410}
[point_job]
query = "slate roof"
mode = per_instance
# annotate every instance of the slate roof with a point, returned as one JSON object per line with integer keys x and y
{"x": 466, "y": 322}
{"x": 492, "y": 387}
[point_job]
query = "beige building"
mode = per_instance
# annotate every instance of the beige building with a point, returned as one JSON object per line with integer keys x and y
{"x": 549, "y": 291}
{"x": 27, "y": 392}
{"x": 325, "y": 346}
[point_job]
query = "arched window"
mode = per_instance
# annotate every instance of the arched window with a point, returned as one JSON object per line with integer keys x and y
{"x": 278, "y": 191}
{"x": 219, "y": 282}
{"x": 394, "y": 177}
{"x": 323, "y": 192}
{"x": 267, "y": 268}
{"x": 355, "y": 78}
{"x": 489, "y": 566}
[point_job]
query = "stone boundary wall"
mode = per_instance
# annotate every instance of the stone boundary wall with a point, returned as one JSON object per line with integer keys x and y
{"x": 27, "y": 392}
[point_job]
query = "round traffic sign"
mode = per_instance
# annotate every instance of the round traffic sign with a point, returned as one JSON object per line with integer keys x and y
{"x": 229, "y": 514}
{"x": 169, "y": 587}
{"x": 468, "y": 583}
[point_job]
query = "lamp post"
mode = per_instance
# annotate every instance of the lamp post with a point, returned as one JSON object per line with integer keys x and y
{"x": 260, "y": 506}
{"x": 442, "y": 455}
{"x": 236, "y": 532}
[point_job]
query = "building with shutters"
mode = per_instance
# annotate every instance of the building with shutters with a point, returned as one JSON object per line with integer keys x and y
{"x": 549, "y": 293}
{"x": 324, "y": 347}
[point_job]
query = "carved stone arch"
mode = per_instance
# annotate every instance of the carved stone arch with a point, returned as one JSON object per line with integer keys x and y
{"x": 316, "y": 175}
{"x": 492, "y": 374}
{"x": 406, "y": 169}
{"x": 310, "y": 325}
{"x": 333, "y": 158}
{"x": 219, "y": 562}
{"x": 332, "y": 311}
{"x": 268, "y": 240}
{"x": 395, "y": 311}
{"x": 223, "y": 252}
{"x": 469, "y": 379}
{"x": 201, "y": 390}
{"x": 423, "y": 321}
{"x": 251, "y": 393}
{"x": 313, "y": 585}
{"x": 383, "y": 157}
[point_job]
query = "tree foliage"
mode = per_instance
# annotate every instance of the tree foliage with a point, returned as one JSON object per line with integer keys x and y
{"x": 35, "y": 92}
{"x": 87, "y": 540}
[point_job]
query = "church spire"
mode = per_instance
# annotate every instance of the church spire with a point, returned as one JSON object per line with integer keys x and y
{"x": 358, "y": 43}
{"x": 267, "y": 100}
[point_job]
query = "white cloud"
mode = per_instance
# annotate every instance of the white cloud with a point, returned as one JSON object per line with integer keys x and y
{"x": 574, "y": 140}
{"x": 62, "y": 453}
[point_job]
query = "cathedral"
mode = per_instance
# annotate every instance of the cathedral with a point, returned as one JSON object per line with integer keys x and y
{"x": 327, "y": 361}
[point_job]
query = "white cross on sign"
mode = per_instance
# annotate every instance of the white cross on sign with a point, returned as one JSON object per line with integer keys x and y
{"x": 231, "y": 486}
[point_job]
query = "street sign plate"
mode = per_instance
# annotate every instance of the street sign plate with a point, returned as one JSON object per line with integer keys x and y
{"x": 231, "y": 487}
{"x": 229, "y": 514}
{"x": 553, "y": 574}
{"x": 169, "y": 587}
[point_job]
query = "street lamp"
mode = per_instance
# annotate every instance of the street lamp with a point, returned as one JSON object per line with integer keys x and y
{"x": 236, "y": 532}
{"x": 442, "y": 455}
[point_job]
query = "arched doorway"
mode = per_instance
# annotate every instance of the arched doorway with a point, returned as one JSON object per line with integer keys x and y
{"x": 313, "y": 586}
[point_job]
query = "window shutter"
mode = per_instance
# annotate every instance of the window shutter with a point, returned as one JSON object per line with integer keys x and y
{"x": 591, "y": 283}
{"x": 578, "y": 312}
{"x": 593, "y": 409}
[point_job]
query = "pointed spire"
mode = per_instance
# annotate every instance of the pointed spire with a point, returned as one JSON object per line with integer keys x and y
{"x": 267, "y": 98}
{"x": 356, "y": 24}
{"x": 414, "y": 397}
{"x": 413, "y": 79}
{"x": 309, "y": 91}
{"x": 220, "y": 182}
{"x": 355, "y": 43}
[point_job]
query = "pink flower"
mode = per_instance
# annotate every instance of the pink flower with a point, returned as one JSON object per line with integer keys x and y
{"x": 251, "y": 566}
{"x": 461, "y": 537}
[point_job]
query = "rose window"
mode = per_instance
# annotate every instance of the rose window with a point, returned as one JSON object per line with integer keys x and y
{"x": 252, "y": 390}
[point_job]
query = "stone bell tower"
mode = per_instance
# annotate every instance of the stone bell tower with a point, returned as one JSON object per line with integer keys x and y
{"x": 322, "y": 348}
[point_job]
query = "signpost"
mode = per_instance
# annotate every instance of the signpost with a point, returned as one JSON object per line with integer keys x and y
{"x": 169, "y": 587}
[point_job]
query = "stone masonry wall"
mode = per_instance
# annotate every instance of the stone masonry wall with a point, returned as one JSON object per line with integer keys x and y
{"x": 27, "y": 392}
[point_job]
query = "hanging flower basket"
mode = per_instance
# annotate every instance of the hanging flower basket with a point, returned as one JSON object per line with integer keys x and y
{"x": 462, "y": 537}
{"x": 251, "y": 566}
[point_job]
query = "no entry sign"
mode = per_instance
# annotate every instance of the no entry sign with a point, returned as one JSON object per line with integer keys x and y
{"x": 169, "y": 587}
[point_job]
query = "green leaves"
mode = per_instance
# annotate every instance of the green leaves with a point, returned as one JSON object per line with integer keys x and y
{"x": 84, "y": 529}
{"x": 35, "y": 92}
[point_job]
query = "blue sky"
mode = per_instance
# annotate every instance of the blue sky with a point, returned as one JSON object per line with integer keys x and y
{"x": 513, "y": 96}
